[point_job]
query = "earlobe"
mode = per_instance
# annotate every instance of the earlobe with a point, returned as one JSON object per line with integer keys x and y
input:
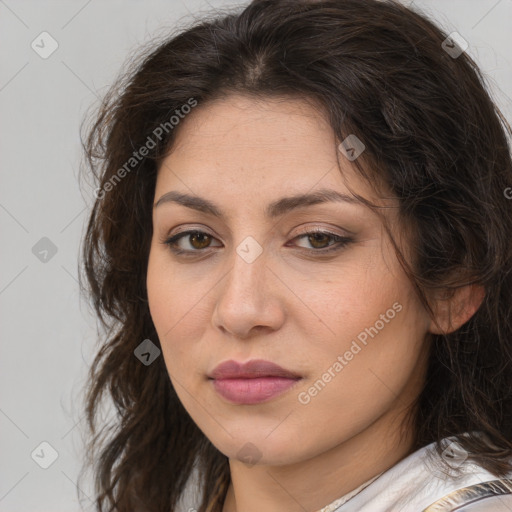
{"x": 455, "y": 310}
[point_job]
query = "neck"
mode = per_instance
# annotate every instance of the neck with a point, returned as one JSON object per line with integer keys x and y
{"x": 312, "y": 484}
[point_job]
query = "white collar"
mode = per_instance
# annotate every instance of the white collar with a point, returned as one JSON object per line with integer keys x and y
{"x": 332, "y": 507}
{"x": 412, "y": 484}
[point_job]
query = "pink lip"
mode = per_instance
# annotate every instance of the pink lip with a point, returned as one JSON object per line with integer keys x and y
{"x": 253, "y": 382}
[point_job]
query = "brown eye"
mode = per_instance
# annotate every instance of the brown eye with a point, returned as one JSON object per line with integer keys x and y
{"x": 202, "y": 240}
{"x": 321, "y": 239}
{"x": 320, "y": 242}
{"x": 197, "y": 241}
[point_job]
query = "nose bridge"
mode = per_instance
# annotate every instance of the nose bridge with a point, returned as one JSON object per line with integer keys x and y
{"x": 244, "y": 298}
{"x": 249, "y": 266}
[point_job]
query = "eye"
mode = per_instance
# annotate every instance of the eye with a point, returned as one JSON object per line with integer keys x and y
{"x": 319, "y": 238}
{"x": 200, "y": 240}
{"x": 196, "y": 239}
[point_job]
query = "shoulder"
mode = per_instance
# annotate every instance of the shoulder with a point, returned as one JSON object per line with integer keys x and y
{"x": 496, "y": 504}
{"x": 492, "y": 495}
{"x": 421, "y": 483}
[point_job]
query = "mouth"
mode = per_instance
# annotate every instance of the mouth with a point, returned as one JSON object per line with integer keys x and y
{"x": 254, "y": 382}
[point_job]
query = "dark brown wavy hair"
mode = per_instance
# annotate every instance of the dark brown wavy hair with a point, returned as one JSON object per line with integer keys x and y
{"x": 432, "y": 133}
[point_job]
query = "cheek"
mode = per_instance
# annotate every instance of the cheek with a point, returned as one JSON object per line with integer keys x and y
{"x": 344, "y": 300}
{"x": 179, "y": 312}
{"x": 378, "y": 323}
{"x": 378, "y": 343}
{"x": 376, "y": 330}
{"x": 161, "y": 300}
{"x": 171, "y": 298}
{"x": 166, "y": 304}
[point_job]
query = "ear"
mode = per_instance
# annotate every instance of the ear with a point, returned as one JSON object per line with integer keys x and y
{"x": 454, "y": 309}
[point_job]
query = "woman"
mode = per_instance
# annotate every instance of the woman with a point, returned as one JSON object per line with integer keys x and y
{"x": 300, "y": 251}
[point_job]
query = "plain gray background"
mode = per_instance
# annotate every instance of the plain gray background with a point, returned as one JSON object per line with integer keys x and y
{"x": 48, "y": 335}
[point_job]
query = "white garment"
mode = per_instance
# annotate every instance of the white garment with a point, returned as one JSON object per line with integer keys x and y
{"x": 417, "y": 482}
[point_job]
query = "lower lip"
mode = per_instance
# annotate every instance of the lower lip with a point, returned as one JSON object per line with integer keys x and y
{"x": 252, "y": 391}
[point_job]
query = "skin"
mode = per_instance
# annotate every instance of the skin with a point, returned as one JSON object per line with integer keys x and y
{"x": 290, "y": 306}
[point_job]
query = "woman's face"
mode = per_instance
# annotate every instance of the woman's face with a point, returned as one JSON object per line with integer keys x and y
{"x": 258, "y": 284}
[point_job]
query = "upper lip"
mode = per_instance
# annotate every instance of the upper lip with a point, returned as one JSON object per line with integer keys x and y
{"x": 250, "y": 370}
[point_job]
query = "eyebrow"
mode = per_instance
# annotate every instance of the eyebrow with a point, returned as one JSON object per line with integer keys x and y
{"x": 274, "y": 209}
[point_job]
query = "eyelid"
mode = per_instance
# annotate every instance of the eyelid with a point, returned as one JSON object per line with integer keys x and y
{"x": 307, "y": 230}
{"x": 318, "y": 229}
{"x": 340, "y": 241}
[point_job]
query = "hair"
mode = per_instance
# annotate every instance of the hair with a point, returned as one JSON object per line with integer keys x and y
{"x": 432, "y": 134}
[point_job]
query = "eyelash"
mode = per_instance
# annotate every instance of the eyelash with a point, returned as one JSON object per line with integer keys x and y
{"x": 340, "y": 242}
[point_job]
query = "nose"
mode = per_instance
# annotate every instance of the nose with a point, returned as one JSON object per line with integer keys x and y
{"x": 248, "y": 299}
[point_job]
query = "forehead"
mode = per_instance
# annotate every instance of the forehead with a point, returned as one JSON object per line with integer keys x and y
{"x": 243, "y": 148}
{"x": 236, "y": 126}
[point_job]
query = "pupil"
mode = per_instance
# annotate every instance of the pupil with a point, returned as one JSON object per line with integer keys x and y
{"x": 317, "y": 237}
{"x": 199, "y": 235}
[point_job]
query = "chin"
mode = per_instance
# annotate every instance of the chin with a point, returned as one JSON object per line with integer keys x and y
{"x": 259, "y": 449}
